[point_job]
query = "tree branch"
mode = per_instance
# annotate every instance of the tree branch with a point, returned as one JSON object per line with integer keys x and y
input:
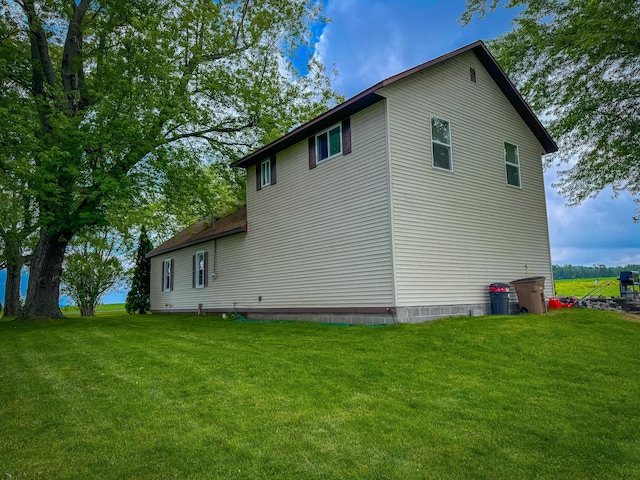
{"x": 72, "y": 70}
{"x": 217, "y": 56}
{"x": 42, "y": 65}
{"x": 18, "y": 81}
{"x": 95, "y": 14}
{"x": 192, "y": 64}
{"x": 202, "y": 133}
{"x": 241, "y": 24}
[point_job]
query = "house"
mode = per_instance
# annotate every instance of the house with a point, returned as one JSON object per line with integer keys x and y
{"x": 401, "y": 204}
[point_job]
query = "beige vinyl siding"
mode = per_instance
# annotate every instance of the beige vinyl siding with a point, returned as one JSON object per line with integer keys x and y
{"x": 457, "y": 232}
{"x": 317, "y": 238}
{"x": 217, "y": 293}
{"x": 182, "y": 281}
{"x": 320, "y": 237}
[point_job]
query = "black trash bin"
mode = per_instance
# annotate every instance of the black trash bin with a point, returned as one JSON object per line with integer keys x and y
{"x": 499, "y": 293}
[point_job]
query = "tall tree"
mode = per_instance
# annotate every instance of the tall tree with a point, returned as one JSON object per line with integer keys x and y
{"x": 123, "y": 88}
{"x": 92, "y": 267}
{"x": 577, "y": 62}
{"x": 18, "y": 212}
{"x": 138, "y": 298}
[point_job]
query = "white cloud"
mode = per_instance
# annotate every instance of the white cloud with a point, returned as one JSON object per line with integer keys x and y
{"x": 369, "y": 41}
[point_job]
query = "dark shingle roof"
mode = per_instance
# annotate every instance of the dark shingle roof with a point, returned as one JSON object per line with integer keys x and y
{"x": 369, "y": 97}
{"x": 203, "y": 231}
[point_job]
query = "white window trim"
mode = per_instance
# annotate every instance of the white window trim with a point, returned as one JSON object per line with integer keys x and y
{"x": 199, "y": 255}
{"x": 166, "y": 280}
{"x": 450, "y": 144}
{"x": 339, "y": 153}
{"x": 263, "y": 181}
{"x": 517, "y": 165}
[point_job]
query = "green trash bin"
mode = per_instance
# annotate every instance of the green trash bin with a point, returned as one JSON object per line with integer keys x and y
{"x": 499, "y": 295}
{"x": 530, "y": 292}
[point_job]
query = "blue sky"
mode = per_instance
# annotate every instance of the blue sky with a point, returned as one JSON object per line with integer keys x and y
{"x": 111, "y": 297}
{"x": 370, "y": 40}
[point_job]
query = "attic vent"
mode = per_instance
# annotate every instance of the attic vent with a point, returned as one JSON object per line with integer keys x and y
{"x": 472, "y": 74}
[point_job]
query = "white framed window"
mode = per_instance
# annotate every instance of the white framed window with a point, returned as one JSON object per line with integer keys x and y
{"x": 265, "y": 173}
{"x": 167, "y": 275}
{"x": 512, "y": 164}
{"x": 200, "y": 270}
{"x": 441, "y": 143}
{"x": 329, "y": 143}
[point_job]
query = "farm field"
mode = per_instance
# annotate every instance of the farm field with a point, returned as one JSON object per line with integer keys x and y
{"x": 579, "y": 287}
{"x": 551, "y": 396}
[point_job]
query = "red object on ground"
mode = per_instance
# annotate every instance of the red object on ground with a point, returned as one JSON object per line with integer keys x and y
{"x": 564, "y": 303}
{"x": 555, "y": 303}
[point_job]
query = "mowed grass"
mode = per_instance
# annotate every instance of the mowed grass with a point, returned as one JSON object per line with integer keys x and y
{"x": 109, "y": 307}
{"x": 553, "y": 396}
{"x": 579, "y": 287}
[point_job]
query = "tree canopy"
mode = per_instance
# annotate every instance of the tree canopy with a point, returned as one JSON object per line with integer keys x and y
{"x": 577, "y": 62}
{"x": 121, "y": 99}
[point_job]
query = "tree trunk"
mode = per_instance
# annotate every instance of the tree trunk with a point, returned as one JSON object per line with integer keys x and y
{"x": 12, "y": 289}
{"x": 43, "y": 291}
{"x": 87, "y": 310}
{"x": 13, "y": 256}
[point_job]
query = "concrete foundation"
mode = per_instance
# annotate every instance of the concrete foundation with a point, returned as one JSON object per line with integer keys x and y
{"x": 401, "y": 315}
{"x": 417, "y": 314}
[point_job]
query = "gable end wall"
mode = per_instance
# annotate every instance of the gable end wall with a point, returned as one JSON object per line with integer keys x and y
{"x": 457, "y": 232}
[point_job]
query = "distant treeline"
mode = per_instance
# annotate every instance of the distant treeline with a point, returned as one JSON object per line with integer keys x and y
{"x": 578, "y": 271}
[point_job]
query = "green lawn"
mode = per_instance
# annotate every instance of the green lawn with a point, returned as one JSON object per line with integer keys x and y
{"x": 109, "y": 307}
{"x": 579, "y": 287}
{"x": 553, "y": 396}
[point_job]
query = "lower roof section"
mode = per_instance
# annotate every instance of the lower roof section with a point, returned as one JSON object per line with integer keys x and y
{"x": 204, "y": 231}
